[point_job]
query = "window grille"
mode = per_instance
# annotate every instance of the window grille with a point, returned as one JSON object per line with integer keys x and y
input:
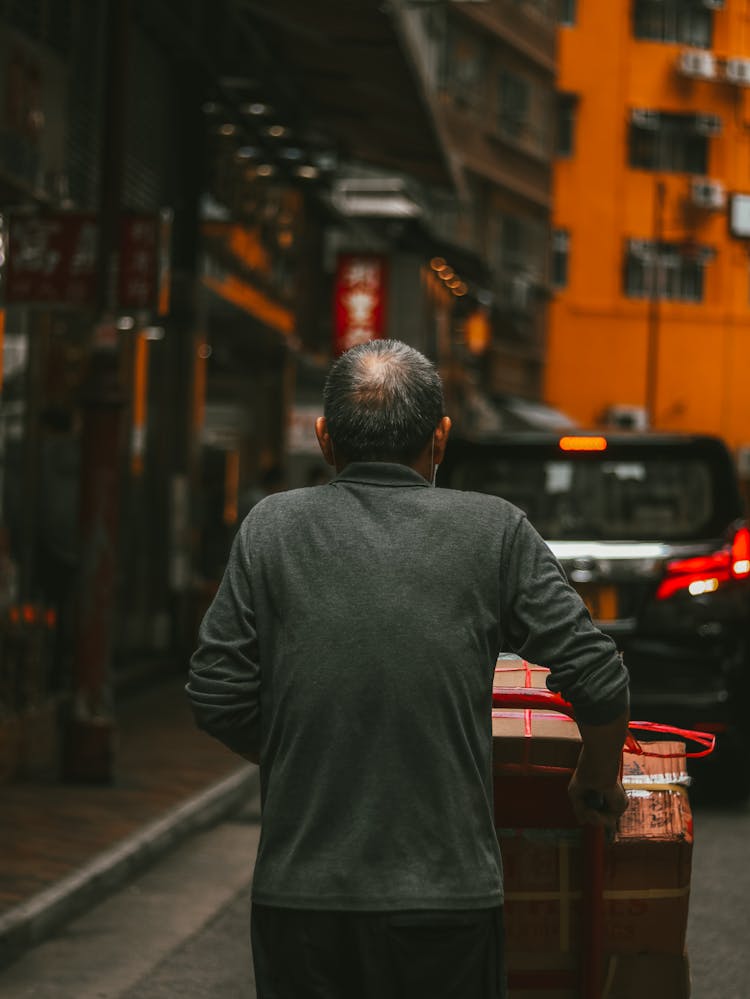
{"x": 567, "y": 12}
{"x": 668, "y": 271}
{"x": 671, "y": 142}
{"x": 567, "y": 107}
{"x": 687, "y": 21}
{"x": 466, "y": 67}
{"x": 515, "y": 100}
{"x": 560, "y": 257}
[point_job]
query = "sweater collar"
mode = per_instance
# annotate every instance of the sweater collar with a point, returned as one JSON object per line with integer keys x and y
{"x": 381, "y": 473}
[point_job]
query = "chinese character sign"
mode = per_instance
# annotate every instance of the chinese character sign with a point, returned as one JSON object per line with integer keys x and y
{"x": 139, "y": 238}
{"x": 52, "y": 259}
{"x": 359, "y": 300}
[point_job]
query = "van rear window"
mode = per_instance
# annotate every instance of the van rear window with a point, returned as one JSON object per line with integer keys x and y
{"x": 572, "y": 496}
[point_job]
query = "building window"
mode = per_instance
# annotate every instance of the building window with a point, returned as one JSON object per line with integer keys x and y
{"x": 687, "y": 21}
{"x": 567, "y": 106}
{"x": 515, "y": 99}
{"x": 567, "y": 12}
{"x": 466, "y": 68}
{"x": 669, "y": 271}
{"x": 674, "y": 142}
{"x": 520, "y": 243}
{"x": 560, "y": 258}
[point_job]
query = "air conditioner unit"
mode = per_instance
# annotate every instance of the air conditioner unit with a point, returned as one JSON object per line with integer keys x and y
{"x": 697, "y": 63}
{"x": 520, "y": 292}
{"x": 644, "y": 118}
{"x": 708, "y": 124}
{"x": 708, "y": 194}
{"x": 641, "y": 248}
{"x": 737, "y": 71}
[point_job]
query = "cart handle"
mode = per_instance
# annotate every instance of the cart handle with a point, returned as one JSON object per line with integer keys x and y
{"x": 531, "y": 698}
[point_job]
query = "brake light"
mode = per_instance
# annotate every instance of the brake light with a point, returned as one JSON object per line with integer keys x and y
{"x": 583, "y": 443}
{"x": 741, "y": 553}
{"x": 707, "y": 573}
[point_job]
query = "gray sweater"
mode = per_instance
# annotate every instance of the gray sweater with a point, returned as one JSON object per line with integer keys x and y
{"x": 352, "y": 642}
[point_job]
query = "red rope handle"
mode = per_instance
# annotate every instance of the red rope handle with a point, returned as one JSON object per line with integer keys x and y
{"x": 534, "y": 698}
{"x": 705, "y": 739}
{"x": 529, "y": 698}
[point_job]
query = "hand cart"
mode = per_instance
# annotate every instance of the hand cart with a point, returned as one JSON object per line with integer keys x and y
{"x": 588, "y": 982}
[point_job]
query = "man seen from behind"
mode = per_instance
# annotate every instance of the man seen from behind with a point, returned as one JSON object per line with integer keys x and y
{"x": 350, "y": 651}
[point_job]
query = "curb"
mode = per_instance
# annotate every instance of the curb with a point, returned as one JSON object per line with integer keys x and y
{"x": 32, "y": 921}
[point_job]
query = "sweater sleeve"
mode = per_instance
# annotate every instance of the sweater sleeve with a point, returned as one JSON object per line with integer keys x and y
{"x": 547, "y": 623}
{"x": 224, "y": 678}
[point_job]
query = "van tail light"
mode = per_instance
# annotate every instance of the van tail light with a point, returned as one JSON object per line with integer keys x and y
{"x": 707, "y": 573}
{"x": 585, "y": 442}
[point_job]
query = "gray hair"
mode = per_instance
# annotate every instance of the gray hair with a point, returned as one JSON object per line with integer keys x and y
{"x": 382, "y": 401}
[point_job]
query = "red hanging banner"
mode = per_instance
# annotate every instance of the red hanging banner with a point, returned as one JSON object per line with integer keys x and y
{"x": 51, "y": 259}
{"x": 144, "y": 271}
{"x": 359, "y": 300}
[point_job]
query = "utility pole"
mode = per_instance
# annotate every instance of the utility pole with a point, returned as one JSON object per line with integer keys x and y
{"x": 654, "y": 311}
{"x": 90, "y": 733}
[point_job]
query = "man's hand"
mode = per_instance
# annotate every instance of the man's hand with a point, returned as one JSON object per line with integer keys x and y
{"x": 595, "y": 790}
{"x": 594, "y": 806}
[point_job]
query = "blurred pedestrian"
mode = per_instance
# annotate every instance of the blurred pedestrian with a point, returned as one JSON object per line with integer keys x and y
{"x": 350, "y": 650}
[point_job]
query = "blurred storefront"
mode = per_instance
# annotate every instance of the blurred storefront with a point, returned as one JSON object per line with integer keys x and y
{"x": 203, "y": 204}
{"x": 89, "y": 431}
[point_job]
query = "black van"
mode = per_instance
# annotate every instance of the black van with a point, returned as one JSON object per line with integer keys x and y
{"x": 650, "y": 529}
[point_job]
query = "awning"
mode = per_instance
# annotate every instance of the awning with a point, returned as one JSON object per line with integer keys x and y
{"x": 359, "y": 82}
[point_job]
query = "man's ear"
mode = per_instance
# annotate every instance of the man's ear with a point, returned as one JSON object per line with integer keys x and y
{"x": 324, "y": 440}
{"x": 442, "y": 431}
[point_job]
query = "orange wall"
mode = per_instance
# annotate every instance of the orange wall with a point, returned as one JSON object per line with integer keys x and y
{"x": 598, "y": 337}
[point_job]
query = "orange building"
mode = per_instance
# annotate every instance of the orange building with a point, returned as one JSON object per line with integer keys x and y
{"x": 650, "y": 249}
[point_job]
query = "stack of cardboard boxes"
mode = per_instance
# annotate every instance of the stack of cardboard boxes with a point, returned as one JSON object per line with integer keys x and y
{"x": 647, "y": 866}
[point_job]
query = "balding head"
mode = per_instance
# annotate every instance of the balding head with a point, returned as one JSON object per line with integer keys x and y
{"x": 382, "y": 402}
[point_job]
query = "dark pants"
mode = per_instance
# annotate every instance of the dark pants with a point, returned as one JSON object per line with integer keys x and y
{"x": 302, "y": 954}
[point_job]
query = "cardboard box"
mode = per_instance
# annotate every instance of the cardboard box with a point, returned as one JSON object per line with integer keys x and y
{"x": 534, "y": 754}
{"x": 646, "y": 888}
{"x": 532, "y": 740}
{"x": 637, "y": 976}
{"x": 646, "y": 892}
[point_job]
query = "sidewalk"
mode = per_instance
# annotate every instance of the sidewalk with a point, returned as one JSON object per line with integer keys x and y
{"x": 63, "y": 846}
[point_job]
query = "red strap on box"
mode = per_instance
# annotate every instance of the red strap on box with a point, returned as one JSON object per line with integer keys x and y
{"x": 528, "y": 699}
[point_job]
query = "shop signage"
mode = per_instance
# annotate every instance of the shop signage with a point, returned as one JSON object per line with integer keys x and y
{"x": 247, "y": 266}
{"x": 143, "y": 275}
{"x": 359, "y": 300}
{"x": 53, "y": 260}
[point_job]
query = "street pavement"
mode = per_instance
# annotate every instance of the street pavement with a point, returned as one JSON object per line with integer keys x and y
{"x": 719, "y": 904}
{"x": 63, "y": 846}
{"x": 180, "y": 928}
